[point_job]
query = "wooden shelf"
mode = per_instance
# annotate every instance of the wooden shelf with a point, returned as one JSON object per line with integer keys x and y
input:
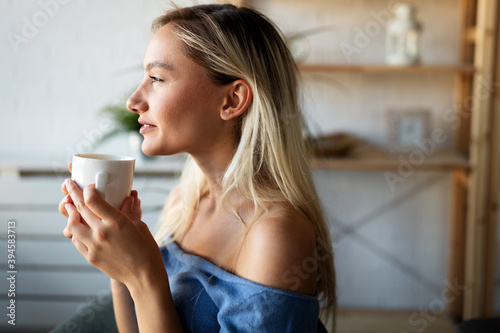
{"x": 378, "y": 159}
{"x": 158, "y": 166}
{"x": 383, "y": 68}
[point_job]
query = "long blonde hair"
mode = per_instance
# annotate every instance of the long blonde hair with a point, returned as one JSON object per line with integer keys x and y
{"x": 271, "y": 162}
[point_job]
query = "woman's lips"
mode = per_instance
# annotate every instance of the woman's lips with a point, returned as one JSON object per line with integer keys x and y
{"x": 146, "y": 127}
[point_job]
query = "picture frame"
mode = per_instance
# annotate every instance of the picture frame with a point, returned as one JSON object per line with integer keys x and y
{"x": 407, "y": 127}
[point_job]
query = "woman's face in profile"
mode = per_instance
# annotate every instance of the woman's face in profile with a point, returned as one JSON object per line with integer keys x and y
{"x": 178, "y": 105}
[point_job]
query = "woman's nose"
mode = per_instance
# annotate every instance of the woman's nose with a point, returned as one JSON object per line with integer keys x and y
{"x": 136, "y": 103}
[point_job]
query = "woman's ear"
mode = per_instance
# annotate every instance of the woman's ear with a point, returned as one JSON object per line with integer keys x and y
{"x": 238, "y": 98}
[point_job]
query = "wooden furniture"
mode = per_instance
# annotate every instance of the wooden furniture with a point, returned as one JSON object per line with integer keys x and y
{"x": 480, "y": 191}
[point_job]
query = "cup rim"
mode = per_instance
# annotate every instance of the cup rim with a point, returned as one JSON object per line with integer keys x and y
{"x": 105, "y": 157}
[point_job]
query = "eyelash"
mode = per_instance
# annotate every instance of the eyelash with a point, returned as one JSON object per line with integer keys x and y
{"x": 155, "y": 79}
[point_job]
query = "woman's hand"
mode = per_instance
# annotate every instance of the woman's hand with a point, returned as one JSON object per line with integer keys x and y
{"x": 67, "y": 199}
{"x": 119, "y": 244}
{"x": 115, "y": 241}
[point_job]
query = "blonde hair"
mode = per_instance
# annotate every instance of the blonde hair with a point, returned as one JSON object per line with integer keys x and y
{"x": 271, "y": 162}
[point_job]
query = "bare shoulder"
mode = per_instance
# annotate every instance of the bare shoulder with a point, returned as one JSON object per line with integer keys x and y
{"x": 276, "y": 249}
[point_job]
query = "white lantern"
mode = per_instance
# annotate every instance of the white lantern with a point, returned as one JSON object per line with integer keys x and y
{"x": 403, "y": 37}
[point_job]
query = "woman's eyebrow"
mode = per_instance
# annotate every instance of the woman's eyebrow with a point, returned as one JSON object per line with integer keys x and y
{"x": 158, "y": 64}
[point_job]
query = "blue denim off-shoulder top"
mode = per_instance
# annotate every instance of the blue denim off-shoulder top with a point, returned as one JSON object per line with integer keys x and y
{"x": 210, "y": 299}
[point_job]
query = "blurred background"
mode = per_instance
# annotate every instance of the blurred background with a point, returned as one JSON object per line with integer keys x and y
{"x": 406, "y": 155}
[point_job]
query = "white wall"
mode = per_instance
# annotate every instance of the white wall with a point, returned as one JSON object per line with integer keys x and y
{"x": 85, "y": 56}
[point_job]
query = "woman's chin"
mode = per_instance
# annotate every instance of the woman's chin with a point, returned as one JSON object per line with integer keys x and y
{"x": 149, "y": 151}
{"x": 152, "y": 151}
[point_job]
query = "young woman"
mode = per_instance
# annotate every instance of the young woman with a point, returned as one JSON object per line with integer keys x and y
{"x": 242, "y": 245}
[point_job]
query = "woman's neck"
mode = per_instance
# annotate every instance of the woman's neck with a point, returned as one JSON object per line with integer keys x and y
{"x": 214, "y": 165}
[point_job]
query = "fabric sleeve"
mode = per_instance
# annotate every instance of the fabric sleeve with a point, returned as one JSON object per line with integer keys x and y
{"x": 271, "y": 312}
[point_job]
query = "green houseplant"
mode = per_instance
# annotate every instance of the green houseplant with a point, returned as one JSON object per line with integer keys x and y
{"x": 124, "y": 120}
{"x": 124, "y": 123}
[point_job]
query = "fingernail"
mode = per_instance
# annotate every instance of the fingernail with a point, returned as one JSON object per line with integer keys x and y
{"x": 68, "y": 181}
{"x": 68, "y": 207}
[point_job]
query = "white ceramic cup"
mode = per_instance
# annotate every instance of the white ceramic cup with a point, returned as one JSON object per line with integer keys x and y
{"x": 112, "y": 175}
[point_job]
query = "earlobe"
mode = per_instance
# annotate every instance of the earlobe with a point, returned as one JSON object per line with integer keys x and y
{"x": 238, "y": 99}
